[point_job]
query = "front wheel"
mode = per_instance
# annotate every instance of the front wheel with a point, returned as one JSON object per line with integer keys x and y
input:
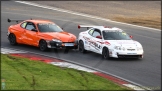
{"x": 12, "y": 39}
{"x": 105, "y": 53}
{"x": 43, "y": 45}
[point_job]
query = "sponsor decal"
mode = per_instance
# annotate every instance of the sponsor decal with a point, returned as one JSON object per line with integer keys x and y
{"x": 86, "y": 38}
{"x": 123, "y": 33}
{"x": 100, "y": 42}
{"x": 92, "y": 43}
{"x": 112, "y": 30}
{"x": 95, "y": 45}
{"x": 47, "y": 24}
{"x": 24, "y": 24}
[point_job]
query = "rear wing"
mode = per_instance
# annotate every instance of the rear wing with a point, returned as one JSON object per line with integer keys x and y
{"x": 92, "y": 26}
{"x": 14, "y": 20}
{"x": 86, "y": 26}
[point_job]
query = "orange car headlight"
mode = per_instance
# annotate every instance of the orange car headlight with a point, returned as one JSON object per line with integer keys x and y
{"x": 56, "y": 40}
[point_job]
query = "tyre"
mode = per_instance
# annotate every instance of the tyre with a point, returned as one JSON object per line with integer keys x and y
{"x": 12, "y": 39}
{"x": 76, "y": 47}
{"x": 43, "y": 45}
{"x": 105, "y": 53}
{"x": 81, "y": 46}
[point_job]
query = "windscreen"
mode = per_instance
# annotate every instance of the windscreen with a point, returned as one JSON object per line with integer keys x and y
{"x": 115, "y": 35}
{"x": 49, "y": 27}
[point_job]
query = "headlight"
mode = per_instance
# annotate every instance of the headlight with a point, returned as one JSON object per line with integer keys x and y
{"x": 123, "y": 49}
{"x": 117, "y": 47}
{"x": 139, "y": 48}
{"x": 56, "y": 40}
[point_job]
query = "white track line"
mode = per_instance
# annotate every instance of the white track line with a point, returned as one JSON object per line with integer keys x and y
{"x": 81, "y": 14}
{"x": 70, "y": 65}
{"x": 134, "y": 87}
{"x": 7, "y": 51}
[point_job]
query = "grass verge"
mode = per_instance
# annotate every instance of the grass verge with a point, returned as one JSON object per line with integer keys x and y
{"x": 25, "y": 74}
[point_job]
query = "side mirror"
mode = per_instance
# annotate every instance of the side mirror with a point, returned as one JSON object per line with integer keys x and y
{"x": 99, "y": 37}
{"x": 35, "y": 30}
{"x": 131, "y": 37}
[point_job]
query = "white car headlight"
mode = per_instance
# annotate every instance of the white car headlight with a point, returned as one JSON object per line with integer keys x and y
{"x": 56, "y": 40}
{"x": 139, "y": 48}
{"x": 123, "y": 49}
{"x": 117, "y": 47}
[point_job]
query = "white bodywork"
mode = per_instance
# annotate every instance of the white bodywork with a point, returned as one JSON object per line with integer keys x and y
{"x": 115, "y": 47}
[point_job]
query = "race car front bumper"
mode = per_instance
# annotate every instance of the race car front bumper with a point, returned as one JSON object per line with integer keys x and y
{"x": 62, "y": 45}
{"x": 126, "y": 54}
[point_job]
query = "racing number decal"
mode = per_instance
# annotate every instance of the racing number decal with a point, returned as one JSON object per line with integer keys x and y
{"x": 24, "y": 24}
{"x": 91, "y": 31}
{"x": 123, "y": 33}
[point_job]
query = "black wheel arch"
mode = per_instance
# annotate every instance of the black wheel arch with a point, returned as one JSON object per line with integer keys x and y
{"x": 41, "y": 40}
{"x": 105, "y": 47}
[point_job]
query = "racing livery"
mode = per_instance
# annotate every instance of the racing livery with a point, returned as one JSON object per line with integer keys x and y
{"x": 109, "y": 42}
{"x": 40, "y": 33}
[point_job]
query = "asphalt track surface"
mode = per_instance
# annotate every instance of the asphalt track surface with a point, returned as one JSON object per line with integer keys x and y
{"x": 146, "y": 72}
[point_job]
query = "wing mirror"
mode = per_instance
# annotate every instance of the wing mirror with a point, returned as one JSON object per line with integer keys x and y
{"x": 99, "y": 37}
{"x": 35, "y": 30}
{"x": 131, "y": 36}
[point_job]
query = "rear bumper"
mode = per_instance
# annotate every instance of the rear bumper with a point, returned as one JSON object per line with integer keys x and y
{"x": 62, "y": 45}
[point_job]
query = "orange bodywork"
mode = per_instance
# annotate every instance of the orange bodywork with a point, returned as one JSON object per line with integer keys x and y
{"x": 24, "y": 36}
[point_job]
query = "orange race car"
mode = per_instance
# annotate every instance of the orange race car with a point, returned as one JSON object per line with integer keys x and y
{"x": 40, "y": 33}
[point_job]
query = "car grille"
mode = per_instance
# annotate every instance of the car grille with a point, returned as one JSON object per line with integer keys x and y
{"x": 131, "y": 49}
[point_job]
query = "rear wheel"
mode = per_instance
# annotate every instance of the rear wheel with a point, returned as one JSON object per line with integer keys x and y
{"x": 105, "y": 53}
{"x": 81, "y": 46}
{"x": 43, "y": 45}
{"x": 12, "y": 39}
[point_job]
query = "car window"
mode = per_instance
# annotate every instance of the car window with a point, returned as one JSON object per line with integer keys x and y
{"x": 23, "y": 25}
{"x": 49, "y": 27}
{"x": 96, "y": 33}
{"x": 30, "y": 26}
{"x": 115, "y": 35}
{"x": 91, "y": 31}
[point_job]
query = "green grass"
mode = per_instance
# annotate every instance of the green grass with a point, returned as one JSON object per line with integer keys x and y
{"x": 25, "y": 74}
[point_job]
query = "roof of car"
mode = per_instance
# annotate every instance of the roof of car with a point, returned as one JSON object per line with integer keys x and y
{"x": 40, "y": 21}
{"x": 103, "y": 28}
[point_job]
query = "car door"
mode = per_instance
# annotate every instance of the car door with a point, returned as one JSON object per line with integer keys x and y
{"x": 31, "y": 36}
{"x": 22, "y": 34}
{"x": 87, "y": 41}
{"x": 96, "y": 41}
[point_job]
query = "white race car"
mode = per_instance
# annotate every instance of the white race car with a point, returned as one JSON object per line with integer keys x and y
{"x": 109, "y": 42}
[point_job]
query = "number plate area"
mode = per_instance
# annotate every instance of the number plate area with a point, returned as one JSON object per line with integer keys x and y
{"x": 69, "y": 44}
{"x": 132, "y": 53}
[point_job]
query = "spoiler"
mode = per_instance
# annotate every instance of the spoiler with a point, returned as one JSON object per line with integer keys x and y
{"x": 14, "y": 20}
{"x": 85, "y": 26}
{"x": 91, "y": 26}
